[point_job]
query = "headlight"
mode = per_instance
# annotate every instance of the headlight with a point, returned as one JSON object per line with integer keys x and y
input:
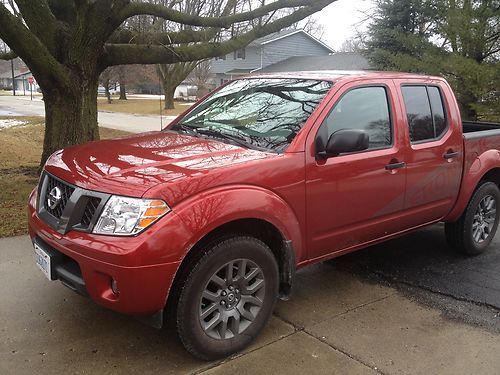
{"x": 126, "y": 216}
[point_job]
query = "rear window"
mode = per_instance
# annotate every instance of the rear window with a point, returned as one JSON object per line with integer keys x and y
{"x": 259, "y": 113}
{"x": 425, "y": 112}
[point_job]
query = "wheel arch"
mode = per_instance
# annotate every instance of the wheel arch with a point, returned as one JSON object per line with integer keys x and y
{"x": 485, "y": 168}
{"x": 263, "y": 230}
{"x": 492, "y": 176}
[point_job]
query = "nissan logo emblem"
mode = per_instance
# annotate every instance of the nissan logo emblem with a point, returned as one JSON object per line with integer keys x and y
{"x": 54, "y": 198}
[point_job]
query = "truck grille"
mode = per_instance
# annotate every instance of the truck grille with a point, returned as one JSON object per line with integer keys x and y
{"x": 89, "y": 211}
{"x": 76, "y": 209}
{"x": 65, "y": 190}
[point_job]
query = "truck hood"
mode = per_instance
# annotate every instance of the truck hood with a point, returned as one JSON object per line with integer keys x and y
{"x": 134, "y": 164}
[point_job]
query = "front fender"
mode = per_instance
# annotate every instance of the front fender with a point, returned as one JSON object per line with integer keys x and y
{"x": 472, "y": 176}
{"x": 203, "y": 213}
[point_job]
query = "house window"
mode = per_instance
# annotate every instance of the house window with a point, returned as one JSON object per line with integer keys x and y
{"x": 220, "y": 57}
{"x": 239, "y": 54}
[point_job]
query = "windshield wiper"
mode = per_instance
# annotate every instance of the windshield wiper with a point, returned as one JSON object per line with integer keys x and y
{"x": 197, "y": 131}
{"x": 238, "y": 141}
{"x": 186, "y": 128}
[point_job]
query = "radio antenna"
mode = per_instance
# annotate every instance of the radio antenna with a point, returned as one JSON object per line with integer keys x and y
{"x": 161, "y": 107}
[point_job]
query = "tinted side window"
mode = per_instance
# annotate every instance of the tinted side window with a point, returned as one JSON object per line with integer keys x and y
{"x": 365, "y": 108}
{"x": 437, "y": 110}
{"x": 425, "y": 111}
{"x": 419, "y": 114}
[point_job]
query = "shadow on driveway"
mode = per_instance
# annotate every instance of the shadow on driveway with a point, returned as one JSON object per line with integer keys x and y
{"x": 423, "y": 260}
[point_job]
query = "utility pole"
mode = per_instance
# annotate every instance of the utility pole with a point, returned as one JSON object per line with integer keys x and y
{"x": 13, "y": 81}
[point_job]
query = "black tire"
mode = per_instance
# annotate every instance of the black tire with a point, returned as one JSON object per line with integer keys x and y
{"x": 460, "y": 235}
{"x": 230, "y": 296}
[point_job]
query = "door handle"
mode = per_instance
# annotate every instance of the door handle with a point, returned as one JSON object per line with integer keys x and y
{"x": 395, "y": 165}
{"x": 451, "y": 155}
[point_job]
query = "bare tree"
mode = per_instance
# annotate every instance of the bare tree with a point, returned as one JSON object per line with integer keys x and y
{"x": 105, "y": 81}
{"x": 352, "y": 45}
{"x": 68, "y": 43}
{"x": 200, "y": 77}
{"x": 172, "y": 75}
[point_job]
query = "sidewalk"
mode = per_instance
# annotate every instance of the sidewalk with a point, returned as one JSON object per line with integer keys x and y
{"x": 23, "y": 106}
{"x": 335, "y": 323}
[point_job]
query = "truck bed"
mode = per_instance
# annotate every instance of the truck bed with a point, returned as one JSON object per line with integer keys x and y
{"x": 479, "y": 137}
{"x": 477, "y": 128}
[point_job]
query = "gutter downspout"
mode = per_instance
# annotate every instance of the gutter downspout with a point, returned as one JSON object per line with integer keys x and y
{"x": 261, "y": 60}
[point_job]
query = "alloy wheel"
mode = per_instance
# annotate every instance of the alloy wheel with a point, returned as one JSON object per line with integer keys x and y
{"x": 232, "y": 299}
{"x": 484, "y": 219}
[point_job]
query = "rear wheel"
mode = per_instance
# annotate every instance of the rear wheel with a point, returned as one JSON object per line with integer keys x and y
{"x": 474, "y": 231}
{"x": 227, "y": 298}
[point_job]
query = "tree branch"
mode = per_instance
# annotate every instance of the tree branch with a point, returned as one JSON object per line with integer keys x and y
{"x": 174, "y": 74}
{"x": 117, "y": 54}
{"x": 39, "y": 19}
{"x": 176, "y": 37}
{"x": 29, "y": 48}
{"x": 137, "y": 8}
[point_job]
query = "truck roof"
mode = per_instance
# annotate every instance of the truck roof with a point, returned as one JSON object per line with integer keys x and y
{"x": 336, "y": 75}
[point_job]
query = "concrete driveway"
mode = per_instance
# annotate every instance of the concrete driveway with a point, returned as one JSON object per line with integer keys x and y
{"x": 23, "y": 106}
{"x": 370, "y": 312}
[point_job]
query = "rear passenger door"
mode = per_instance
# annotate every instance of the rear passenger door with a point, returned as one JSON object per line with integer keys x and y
{"x": 435, "y": 151}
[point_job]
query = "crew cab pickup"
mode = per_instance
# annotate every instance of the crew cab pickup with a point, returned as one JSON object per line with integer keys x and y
{"x": 209, "y": 219}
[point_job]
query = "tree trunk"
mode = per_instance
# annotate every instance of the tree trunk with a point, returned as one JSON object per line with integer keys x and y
{"x": 123, "y": 94}
{"x": 466, "y": 102}
{"x": 169, "y": 96}
{"x": 70, "y": 116}
{"x": 106, "y": 91}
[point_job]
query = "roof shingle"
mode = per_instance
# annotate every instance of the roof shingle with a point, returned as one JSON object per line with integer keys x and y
{"x": 337, "y": 61}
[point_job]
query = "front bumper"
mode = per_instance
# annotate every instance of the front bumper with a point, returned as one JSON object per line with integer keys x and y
{"x": 143, "y": 266}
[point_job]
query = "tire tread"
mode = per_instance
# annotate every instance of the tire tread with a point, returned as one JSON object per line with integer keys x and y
{"x": 207, "y": 252}
{"x": 457, "y": 234}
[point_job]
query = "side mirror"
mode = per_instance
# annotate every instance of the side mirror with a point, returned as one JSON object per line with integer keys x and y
{"x": 345, "y": 140}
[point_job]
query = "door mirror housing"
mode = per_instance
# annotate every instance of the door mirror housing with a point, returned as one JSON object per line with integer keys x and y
{"x": 345, "y": 141}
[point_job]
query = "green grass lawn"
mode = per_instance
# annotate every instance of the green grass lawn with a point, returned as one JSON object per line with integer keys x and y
{"x": 20, "y": 151}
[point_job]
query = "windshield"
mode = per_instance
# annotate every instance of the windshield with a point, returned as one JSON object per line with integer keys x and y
{"x": 263, "y": 114}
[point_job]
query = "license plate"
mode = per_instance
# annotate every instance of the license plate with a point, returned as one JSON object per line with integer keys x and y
{"x": 42, "y": 259}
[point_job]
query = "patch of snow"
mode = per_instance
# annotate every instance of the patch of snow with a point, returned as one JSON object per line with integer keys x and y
{"x": 9, "y": 123}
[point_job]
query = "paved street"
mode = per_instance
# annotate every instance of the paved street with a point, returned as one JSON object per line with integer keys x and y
{"x": 408, "y": 306}
{"x": 23, "y": 106}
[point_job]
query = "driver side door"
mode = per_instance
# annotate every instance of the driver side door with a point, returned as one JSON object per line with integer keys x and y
{"x": 355, "y": 198}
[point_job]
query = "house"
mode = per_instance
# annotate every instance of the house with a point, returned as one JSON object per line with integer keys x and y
{"x": 21, "y": 80}
{"x": 337, "y": 61}
{"x": 267, "y": 51}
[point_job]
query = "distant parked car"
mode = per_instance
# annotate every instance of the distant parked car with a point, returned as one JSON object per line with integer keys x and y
{"x": 101, "y": 90}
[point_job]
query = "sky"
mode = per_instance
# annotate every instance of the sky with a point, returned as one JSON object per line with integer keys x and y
{"x": 341, "y": 18}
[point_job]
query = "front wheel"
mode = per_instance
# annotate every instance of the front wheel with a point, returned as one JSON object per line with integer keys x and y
{"x": 227, "y": 298}
{"x": 476, "y": 228}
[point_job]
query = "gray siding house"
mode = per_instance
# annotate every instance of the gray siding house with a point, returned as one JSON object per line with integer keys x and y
{"x": 336, "y": 61}
{"x": 267, "y": 51}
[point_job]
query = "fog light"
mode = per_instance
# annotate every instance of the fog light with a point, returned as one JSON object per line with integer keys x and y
{"x": 114, "y": 287}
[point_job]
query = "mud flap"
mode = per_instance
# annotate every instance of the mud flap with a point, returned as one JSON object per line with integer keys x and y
{"x": 155, "y": 320}
{"x": 287, "y": 271}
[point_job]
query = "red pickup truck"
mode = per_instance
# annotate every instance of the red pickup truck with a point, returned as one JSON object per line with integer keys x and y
{"x": 209, "y": 219}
